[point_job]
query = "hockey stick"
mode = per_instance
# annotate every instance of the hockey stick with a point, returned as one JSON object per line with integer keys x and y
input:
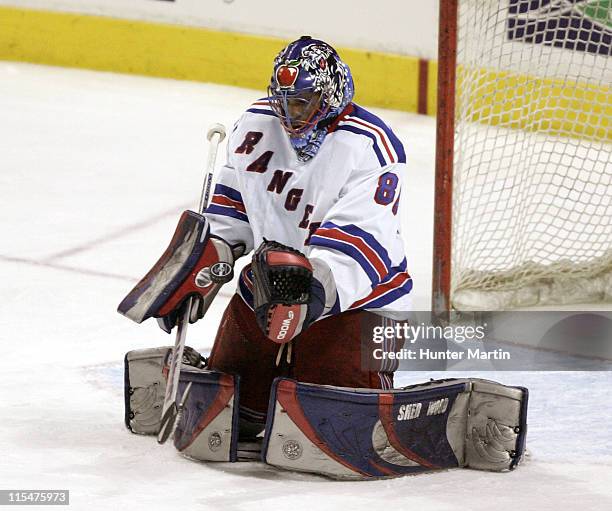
{"x": 171, "y": 412}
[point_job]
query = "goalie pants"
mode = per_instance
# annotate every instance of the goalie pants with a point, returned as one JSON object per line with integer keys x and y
{"x": 333, "y": 351}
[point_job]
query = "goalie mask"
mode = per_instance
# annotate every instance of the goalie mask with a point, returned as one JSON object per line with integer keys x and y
{"x": 310, "y": 87}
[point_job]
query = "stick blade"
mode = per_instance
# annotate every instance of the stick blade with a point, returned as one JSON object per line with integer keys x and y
{"x": 167, "y": 423}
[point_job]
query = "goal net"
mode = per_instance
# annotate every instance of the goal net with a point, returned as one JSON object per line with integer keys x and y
{"x": 531, "y": 170}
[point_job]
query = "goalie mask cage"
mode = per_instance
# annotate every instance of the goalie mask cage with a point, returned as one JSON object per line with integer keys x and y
{"x": 523, "y": 207}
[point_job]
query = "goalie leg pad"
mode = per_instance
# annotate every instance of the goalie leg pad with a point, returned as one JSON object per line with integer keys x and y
{"x": 144, "y": 389}
{"x": 207, "y": 429}
{"x": 145, "y": 374}
{"x": 348, "y": 433}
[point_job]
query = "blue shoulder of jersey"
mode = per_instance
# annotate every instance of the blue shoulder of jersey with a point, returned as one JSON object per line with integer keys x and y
{"x": 387, "y": 147}
{"x": 261, "y": 107}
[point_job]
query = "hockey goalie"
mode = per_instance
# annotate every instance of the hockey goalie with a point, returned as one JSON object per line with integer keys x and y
{"x": 311, "y": 189}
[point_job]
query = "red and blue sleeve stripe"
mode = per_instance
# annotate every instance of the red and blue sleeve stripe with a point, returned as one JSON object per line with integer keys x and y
{"x": 262, "y": 106}
{"x": 357, "y": 244}
{"x": 397, "y": 284}
{"x": 227, "y": 201}
{"x": 387, "y": 147}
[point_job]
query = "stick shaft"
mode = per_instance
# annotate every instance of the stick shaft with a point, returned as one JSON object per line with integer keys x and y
{"x": 215, "y": 135}
{"x": 215, "y": 139}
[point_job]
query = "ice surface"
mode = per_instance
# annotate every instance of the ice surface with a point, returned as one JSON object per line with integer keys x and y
{"x": 94, "y": 170}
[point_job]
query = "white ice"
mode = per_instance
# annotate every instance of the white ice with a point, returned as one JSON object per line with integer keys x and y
{"x": 94, "y": 171}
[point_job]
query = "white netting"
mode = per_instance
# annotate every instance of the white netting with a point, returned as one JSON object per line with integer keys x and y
{"x": 532, "y": 192}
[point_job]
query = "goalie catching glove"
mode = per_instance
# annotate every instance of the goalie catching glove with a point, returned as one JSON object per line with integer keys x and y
{"x": 290, "y": 291}
{"x": 195, "y": 265}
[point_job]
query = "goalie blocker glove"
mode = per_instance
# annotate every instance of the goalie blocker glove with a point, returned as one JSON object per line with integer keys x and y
{"x": 290, "y": 291}
{"x": 195, "y": 265}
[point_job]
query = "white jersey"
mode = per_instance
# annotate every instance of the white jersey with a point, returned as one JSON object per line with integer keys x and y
{"x": 342, "y": 206}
